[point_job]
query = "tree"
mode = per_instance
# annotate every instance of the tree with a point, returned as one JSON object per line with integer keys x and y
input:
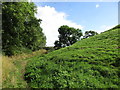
{"x": 89, "y": 34}
{"x": 68, "y": 36}
{"x": 34, "y": 35}
{"x": 20, "y": 28}
{"x": 57, "y": 44}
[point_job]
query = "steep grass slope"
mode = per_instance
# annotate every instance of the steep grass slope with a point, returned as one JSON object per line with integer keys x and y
{"x": 89, "y": 63}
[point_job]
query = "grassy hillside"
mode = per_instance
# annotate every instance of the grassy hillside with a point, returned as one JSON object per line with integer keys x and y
{"x": 89, "y": 63}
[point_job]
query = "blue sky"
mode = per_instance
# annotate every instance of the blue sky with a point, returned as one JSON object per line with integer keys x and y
{"x": 98, "y": 16}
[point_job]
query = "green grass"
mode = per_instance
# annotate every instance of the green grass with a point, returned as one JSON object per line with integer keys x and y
{"x": 89, "y": 63}
{"x": 13, "y": 69}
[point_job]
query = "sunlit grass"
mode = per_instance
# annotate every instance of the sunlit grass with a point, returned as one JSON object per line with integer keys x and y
{"x": 89, "y": 63}
{"x": 24, "y": 55}
{"x": 13, "y": 69}
{"x": 9, "y": 72}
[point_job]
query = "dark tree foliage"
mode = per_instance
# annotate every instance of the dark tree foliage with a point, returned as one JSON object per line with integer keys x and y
{"x": 89, "y": 34}
{"x": 33, "y": 34}
{"x": 20, "y": 29}
{"x": 68, "y": 36}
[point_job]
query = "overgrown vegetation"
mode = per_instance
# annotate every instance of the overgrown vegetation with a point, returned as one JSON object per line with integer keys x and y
{"x": 92, "y": 62}
{"x": 89, "y": 63}
{"x": 21, "y": 31}
{"x": 13, "y": 69}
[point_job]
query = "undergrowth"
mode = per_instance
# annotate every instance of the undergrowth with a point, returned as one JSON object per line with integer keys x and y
{"x": 13, "y": 69}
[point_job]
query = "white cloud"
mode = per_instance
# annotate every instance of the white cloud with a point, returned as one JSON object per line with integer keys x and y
{"x": 105, "y": 28}
{"x": 97, "y": 5}
{"x": 51, "y": 21}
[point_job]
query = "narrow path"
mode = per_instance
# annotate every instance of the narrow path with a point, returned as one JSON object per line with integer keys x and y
{"x": 23, "y": 62}
{"x": 14, "y": 69}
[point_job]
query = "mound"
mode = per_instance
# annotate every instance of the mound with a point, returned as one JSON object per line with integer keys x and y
{"x": 89, "y": 63}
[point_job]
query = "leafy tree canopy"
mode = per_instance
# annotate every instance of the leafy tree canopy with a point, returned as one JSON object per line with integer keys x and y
{"x": 20, "y": 27}
{"x": 68, "y": 36}
{"x": 89, "y": 34}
